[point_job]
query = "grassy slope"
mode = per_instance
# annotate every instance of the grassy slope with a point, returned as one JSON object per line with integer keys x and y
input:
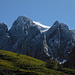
{"x": 15, "y": 64}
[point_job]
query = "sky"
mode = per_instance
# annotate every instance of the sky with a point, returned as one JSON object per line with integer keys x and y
{"x": 43, "y": 11}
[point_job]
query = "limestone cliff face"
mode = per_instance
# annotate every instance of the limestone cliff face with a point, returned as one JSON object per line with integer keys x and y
{"x": 19, "y": 27}
{"x": 70, "y": 63}
{"x": 59, "y": 39}
{"x": 25, "y": 37}
{"x": 5, "y": 40}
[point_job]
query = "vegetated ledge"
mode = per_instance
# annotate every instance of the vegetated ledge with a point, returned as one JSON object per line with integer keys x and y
{"x": 17, "y": 64}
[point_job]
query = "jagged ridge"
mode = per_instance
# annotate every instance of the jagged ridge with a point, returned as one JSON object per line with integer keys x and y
{"x": 25, "y": 37}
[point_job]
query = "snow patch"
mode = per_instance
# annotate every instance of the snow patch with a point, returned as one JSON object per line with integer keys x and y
{"x": 38, "y": 23}
{"x": 42, "y": 27}
{"x": 64, "y": 60}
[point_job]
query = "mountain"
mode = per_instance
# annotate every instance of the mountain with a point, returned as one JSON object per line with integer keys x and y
{"x": 5, "y": 40}
{"x": 42, "y": 27}
{"x": 60, "y": 41}
{"x": 17, "y": 64}
{"x": 73, "y": 34}
{"x": 70, "y": 63}
{"x": 36, "y": 40}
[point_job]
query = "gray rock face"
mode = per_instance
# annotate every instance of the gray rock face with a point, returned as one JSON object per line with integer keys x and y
{"x": 73, "y": 34}
{"x": 40, "y": 47}
{"x": 19, "y": 27}
{"x": 24, "y": 45}
{"x": 5, "y": 41}
{"x": 59, "y": 40}
{"x": 25, "y": 37}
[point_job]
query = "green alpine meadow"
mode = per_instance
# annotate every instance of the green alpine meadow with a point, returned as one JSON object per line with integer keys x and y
{"x": 17, "y": 64}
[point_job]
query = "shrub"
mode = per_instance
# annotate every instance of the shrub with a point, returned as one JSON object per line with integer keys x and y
{"x": 52, "y": 64}
{"x": 60, "y": 67}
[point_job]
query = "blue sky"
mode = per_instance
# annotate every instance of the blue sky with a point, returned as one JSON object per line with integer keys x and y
{"x": 43, "y": 11}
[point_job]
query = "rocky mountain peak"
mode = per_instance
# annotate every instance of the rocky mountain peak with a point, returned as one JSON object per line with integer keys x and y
{"x": 28, "y": 37}
{"x": 59, "y": 40}
{"x": 22, "y": 22}
{"x": 5, "y": 41}
{"x": 23, "y": 19}
{"x": 56, "y": 23}
{"x": 3, "y": 27}
{"x": 20, "y": 27}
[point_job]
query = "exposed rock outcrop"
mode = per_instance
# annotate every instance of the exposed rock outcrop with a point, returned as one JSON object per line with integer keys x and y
{"x": 24, "y": 45}
{"x": 19, "y": 27}
{"x": 59, "y": 40}
{"x": 5, "y": 40}
{"x": 25, "y": 37}
{"x": 70, "y": 63}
